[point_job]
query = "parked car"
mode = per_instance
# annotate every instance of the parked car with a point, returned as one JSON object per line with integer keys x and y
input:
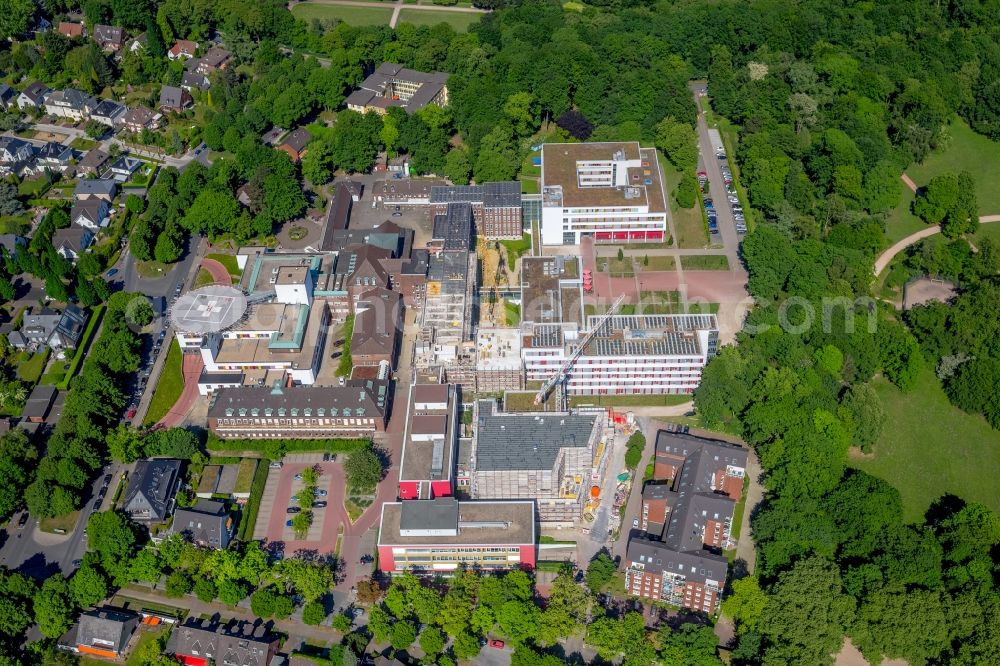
{"x": 275, "y": 465}
{"x": 635, "y": 523}
{"x": 709, "y": 203}
{"x": 297, "y": 477}
{"x": 113, "y": 272}
{"x": 293, "y": 498}
{"x": 293, "y": 509}
{"x": 107, "y": 479}
{"x": 97, "y": 505}
{"x": 321, "y": 493}
{"x": 496, "y": 644}
{"x": 23, "y": 520}
{"x": 288, "y": 523}
{"x": 319, "y": 505}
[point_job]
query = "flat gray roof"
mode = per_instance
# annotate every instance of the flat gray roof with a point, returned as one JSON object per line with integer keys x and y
{"x": 488, "y": 522}
{"x": 528, "y": 441}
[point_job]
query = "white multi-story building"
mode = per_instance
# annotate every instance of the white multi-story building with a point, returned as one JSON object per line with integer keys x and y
{"x": 612, "y": 192}
{"x": 631, "y": 354}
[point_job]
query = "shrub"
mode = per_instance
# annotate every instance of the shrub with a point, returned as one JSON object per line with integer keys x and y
{"x": 314, "y": 613}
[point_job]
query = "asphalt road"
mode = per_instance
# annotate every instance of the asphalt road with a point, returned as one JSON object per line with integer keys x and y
{"x": 41, "y": 554}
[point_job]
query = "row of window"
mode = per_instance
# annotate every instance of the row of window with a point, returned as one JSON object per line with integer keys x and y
{"x": 296, "y": 422}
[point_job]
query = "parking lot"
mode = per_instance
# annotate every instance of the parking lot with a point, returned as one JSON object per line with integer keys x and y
{"x": 282, "y": 485}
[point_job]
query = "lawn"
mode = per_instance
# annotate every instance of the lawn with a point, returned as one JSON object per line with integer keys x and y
{"x": 81, "y": 352}
{"x": 901, "y": 222}
{"x": 689, "y": 225}
{"x": 203, "y": 279}
{"x": 146, "y": 636}
{"x": 929, "y": 447}
{"x": 30, "y": 366}
{"x": 529, "y": 185}
{"x": 252, "y": 507}
{"x": 34, "y": 188}
{"x": 245, "y": 475}
{"x": 152, "y": 269}
{"x": 229, "y": 261}
{"x": 346, "y": 364}
{"x": 65, "y": 523}
{"x": 657, "y": 263}
{"x": 82, "y": 144}
{"x": 515, "y": 249}
{"x": 657, "y": 400}
{"x": 460, "y": 21}
{"x": 169, "y": 385}
{"x": 969, "y": 151}
{"x": 705, "y": 262}
{"x": 615, "y": 267}
{"x": 352, "y": 15}
{"x": 512, "y": 313}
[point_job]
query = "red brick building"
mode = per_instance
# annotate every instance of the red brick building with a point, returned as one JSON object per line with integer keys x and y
{"x": 687, "y": 514}
{"x": 496, "y": 207}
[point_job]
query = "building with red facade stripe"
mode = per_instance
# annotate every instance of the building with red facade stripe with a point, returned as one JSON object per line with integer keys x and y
{"x": 427, "y": 463}
{"x": 441, "y": 535}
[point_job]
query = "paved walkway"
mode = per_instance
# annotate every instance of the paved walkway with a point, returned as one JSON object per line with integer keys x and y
{"x": 220, "y": 274}
{"x": 886, "y": 257}
{"x": 909, "y": 183}
{"x": 192, "y": 366}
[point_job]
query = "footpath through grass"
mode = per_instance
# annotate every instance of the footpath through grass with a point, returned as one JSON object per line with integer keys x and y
{"x": 168, "y": 387}
{"x": 929, "y": 447}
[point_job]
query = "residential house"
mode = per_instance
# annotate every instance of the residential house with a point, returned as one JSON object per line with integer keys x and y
{"x": 183, "y": 48}
{"x": 96, "y": 188}
{"x": 39, "y": 404}
{"x": 207, "y": 524}
{"x": 33, "y": 96}
{"x": 215, "y": 59}
{"x": 149, "y": 497}
{"x": 54, "y": 157}
{"x": 8, "y": 97}
{"x": 295, "y": 144}
{"x": 70, "y": 103}
{"x": 69, "y": 331}
{"x": 192, "y": 80}
{"x": 123, "y": 168}
{"x": 16, "y": 156}
{"x": 37, "y": 326}
{"x": 140, "y": 118}
{"x": 174, "y": 99}
{"x": 71, "y": 242}
{"x": 109, "y": 112}
{"x": 203, "y": 642}
{"x": 102, "y": 632}
{"x": 14, "y": 150}
{"x": 12, "y": 244}
{"x": 91, "y": 214}
{"x": 110, "y": 38}
{"x": 71, "y": 30}
{"x": 92, "y": 162}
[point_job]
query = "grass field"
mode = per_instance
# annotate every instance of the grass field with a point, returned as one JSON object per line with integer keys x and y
{"x": 203, "y": 279}
{"x": 901, "y": 222}
{"x": 30, "y": 366}
{"x": 689, "y": 225}
{"x": 146, "y": 637}
{"x": 351, "y": 15}
{"x": 705, "y": 262}
{"x": 929, "y": 447}
{"x": 657, "y": 263}
{"x": 616, "y": 267}
{"x": 229, "y": 261}
{"x": 969, "y": 151}
{"x": 516, "y": 248}
{"x": 460, "y": 21}
{"x": 512, "y": 313}
{"x": 168, "y": 387}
